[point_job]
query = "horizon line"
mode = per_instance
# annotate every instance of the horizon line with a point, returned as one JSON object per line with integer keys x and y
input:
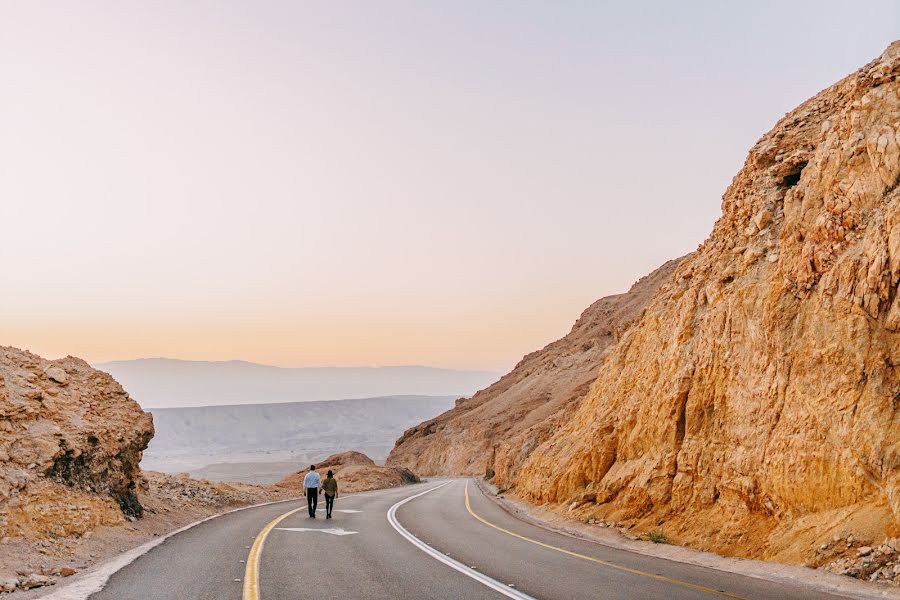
{"x": 359, "y": 399}
{"x": 248, "y": 362}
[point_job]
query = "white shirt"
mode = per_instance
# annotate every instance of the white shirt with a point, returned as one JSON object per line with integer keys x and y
{"x": 312, "y": 480}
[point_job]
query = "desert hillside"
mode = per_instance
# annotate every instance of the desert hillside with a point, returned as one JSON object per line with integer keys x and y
{"x": 495, "y": 430}
{"x": 753, "y": 409}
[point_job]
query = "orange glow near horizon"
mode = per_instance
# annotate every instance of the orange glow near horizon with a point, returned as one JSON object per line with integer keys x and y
{"x": 461, "y": 342}
{"x": 374, "y": 183}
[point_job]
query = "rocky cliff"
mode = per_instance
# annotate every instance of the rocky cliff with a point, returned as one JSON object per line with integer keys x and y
{"x": 756, "y": 405}
{"x": 70, "y": 445}
{"x": 495, "y": 430}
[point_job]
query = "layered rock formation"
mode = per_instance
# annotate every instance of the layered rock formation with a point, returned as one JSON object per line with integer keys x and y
{"x": 754, "y": 407}
{"x": 70, "y": 445}
{"x": 495, "y": 430}
{"x": 355, "y": 472}
{"x": 757, "y": 402}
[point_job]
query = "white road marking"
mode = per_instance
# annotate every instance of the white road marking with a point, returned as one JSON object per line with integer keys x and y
{"x": 332, "y": 530}
{"x": 92, "y": 581}
{"x": 347, "y": 510}
{"x": 454, "y": 564}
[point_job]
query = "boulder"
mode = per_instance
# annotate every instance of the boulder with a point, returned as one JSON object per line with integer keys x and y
{"x": 58, "y": 375}
{"x": 35, "y": 580}
{"x": 71, "y": 441}
{"x": 8, "y": 583}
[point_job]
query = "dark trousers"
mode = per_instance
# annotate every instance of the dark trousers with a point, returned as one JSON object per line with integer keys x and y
{"x": 312, "y": 499}
{"x": 329, "y": 504}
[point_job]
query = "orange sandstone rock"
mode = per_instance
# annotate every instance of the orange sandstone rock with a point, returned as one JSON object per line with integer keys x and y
{"x": 756, "y": 405}
{"x": 70, "y": 444}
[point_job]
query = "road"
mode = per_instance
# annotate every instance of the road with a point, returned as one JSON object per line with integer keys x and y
{"x": 441, "y": 539}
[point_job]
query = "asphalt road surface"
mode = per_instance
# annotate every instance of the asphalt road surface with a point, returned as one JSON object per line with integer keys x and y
{"x": 422, "y": 541}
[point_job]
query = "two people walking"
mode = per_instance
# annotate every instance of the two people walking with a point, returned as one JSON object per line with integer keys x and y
{"x": 313, "y": 486}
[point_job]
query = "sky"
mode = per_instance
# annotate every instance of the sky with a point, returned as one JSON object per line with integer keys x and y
{"x": 375, "y": 182}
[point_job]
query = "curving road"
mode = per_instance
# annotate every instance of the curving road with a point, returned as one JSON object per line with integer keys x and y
{"x": 442, "y": 539}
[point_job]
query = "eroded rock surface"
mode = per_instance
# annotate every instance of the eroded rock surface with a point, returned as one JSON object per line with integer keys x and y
{"x": 495, "y": 430}
{"x": 70, "y": 445}
{"x": 754, "y": 407}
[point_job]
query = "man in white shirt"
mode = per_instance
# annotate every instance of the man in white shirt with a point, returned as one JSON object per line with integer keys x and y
{"x": 311, "y": 485}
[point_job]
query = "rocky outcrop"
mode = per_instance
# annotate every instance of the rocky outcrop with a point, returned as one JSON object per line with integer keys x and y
{"x": 355, "y": 472}
{"x": 493, "y": 432}
{"x": 70, "y": 445}
{"x": 847, "y": 555}
{"x": 350, "y": 457}
{"x": 756, "y": 405}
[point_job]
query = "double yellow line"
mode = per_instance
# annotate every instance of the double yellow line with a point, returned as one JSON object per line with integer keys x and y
{"x": 251, "y": 572}
{"x": 605, "y": 563}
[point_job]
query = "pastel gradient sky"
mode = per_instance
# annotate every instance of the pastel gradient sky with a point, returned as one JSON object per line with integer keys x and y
{"x": 372, "y": 183}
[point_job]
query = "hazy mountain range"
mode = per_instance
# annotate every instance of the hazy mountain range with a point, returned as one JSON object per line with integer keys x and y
{"x": 164, "y": 382}
{"x": 260, "y": 443}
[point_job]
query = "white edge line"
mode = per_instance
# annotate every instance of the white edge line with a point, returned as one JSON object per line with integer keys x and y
{"x": 439, "y": 556}
{"x": 93, "y": 581}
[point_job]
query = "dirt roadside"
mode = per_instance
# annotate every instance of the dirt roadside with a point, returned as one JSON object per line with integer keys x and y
{"x": 611, "y": 536}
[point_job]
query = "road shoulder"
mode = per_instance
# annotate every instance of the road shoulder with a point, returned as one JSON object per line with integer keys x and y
{"x": 95, "y": 578}
{"x": 798, "y": 575}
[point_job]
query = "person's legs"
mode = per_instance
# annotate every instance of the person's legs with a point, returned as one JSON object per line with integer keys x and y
{"x": 311, "y": 501}
{"x": 315, "y": 501}
{"x": 329, "y": 505}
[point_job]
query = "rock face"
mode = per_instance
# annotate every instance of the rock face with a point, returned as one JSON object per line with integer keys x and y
{"x": 757, "y": 401}
{"x": 351, "y": 457}
{"x": 495, "y": 430}
{"x": 355, "y": 472}
{"x": 70, "y": 444}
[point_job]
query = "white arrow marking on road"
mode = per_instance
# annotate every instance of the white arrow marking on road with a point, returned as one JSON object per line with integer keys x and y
{"x": 332, "y": 531}
{"x": 347, "y": 510}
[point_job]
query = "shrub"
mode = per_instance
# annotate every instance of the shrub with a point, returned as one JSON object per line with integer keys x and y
{"x": 658, "y": 537}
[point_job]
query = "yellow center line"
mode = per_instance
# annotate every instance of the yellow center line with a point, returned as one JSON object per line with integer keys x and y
{"x": 251, "y": 571}
{"x": 597, "y": 560}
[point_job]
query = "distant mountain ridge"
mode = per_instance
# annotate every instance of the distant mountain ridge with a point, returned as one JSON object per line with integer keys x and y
{"x": 236, "y": 439}
{"x": 168, "y": 383}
